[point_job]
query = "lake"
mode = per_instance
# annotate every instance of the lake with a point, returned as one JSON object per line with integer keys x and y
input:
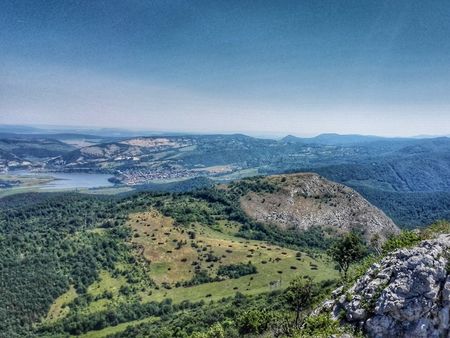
{"x": 69, "y": 180}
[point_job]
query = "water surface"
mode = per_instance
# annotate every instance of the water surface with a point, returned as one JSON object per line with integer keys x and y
{"x": 70, "y": 180}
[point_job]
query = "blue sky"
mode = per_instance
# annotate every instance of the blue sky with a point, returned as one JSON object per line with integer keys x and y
{"x": 299, "y": 67}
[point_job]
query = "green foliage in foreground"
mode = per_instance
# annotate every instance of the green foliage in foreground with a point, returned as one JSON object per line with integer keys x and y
{"x": 409, "y": 238}
{"x": 300, "y": 295}
{"x": 437, "y": 228}
{"x": 405, "y": 239}
{"x": 323, "y": 326}
{"x": 45, "y": 245}
{"x": 49, "y": 241}
{"x": 237, "y": 316}
{"x": 347, "y": 250}
{"x": 78, "y": 323}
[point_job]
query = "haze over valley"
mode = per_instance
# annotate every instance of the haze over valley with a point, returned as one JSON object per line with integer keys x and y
{"x": 399, "y": 175}
{"x": 224, "y": 169}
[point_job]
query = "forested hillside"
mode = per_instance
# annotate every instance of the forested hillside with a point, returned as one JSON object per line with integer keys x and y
{"x": 74, "y": 263}
{"x": 46, "y": 245}
{"x": 170, "y": 261}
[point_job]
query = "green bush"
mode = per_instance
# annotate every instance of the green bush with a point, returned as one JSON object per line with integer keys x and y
{"x": 405, "y": 239}
{"x": 256, "y": 321}
{"x": 236, "y": 270}
{"x": 200, "y": 277}
{"x": 319, "y": 326}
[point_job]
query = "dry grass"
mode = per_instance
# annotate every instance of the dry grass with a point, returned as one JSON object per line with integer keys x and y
{"x": 156, "y": 237}
{"x": 59, "y": 308}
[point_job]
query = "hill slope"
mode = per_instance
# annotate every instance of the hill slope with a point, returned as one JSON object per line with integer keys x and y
{"x": 388, "y": 167}
{"x": 34, "y": 148}
{"x": 302, "y": 201}
{"x": 74, "y": 263}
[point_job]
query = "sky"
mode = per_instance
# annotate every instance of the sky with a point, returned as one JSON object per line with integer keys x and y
{"x": 275, "y": 67}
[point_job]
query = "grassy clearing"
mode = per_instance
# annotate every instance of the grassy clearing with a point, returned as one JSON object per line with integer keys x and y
{"x": 105, "y": 190}
{"x": 116, "y": 329}
{"x": 158, "y": 240}
{"x": 59, "y": 308}
{"x": 226, "y": 227}
{"x": 240, "y": 174}
{"x": 28, "y": 183}
{"x": 106, "y": 283}
{"x": 170, "y": 253}
{"x": 37, "y": 188}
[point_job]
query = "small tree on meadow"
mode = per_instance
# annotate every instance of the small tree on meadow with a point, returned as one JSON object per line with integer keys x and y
{"x": 300, "y": 295}
{"x": 347, "y": 250}
{"x": 375, "y": 244}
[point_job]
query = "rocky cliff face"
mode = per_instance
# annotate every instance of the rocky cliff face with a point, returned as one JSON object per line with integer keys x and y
{"x": 406, "y": 295}
{"x": 305, "y": 200}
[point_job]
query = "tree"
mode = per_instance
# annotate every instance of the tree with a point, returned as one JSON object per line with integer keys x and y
{"x": 300, "y": 295}
{"x": 375, "y": 244}
{"x": 347, "y": 250}
{"x": 253, "y": 321}
{"x": 215, "y": 331}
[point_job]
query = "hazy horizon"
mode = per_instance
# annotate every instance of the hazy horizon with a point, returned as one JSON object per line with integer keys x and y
{"x": 148, "y": 132}
{"x": 296, "y": 67}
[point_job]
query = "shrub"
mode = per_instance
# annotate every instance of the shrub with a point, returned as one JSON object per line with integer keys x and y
{"x": 200, "y": 277}
{"x": 236, "y": 270}
{"x": 215, "y": 331}
{"x": 405, "y": 239}
{"x": 320, "y": 326}
{"x": 346, "y": 251}
{"x": 254, "y": 321}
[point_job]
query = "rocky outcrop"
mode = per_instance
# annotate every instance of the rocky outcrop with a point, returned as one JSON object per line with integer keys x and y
{"x": 406, "y": 295}
{"x": 306, "y": 199}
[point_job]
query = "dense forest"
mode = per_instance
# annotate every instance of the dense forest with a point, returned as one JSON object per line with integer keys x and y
{"x": 45, "y": 244}
{"x": 51, "y": 242}
{"x": 410, "y": 209}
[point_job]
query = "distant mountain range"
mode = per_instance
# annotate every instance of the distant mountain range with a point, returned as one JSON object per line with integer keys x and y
{"x": 326, "y": 138}
{"x": 387, "y": 171}
{"x": 103, "y": 132}
{"x": 334, "y": 139}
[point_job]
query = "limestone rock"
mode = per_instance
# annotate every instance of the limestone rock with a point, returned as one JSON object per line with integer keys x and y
{"x": 406, "y": 295}
{"x": 306, "y": 199}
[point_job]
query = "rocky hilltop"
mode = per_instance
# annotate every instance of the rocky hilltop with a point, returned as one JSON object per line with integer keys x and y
{"x": 407, "y": 294}
{"x": 301, "y": 201}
